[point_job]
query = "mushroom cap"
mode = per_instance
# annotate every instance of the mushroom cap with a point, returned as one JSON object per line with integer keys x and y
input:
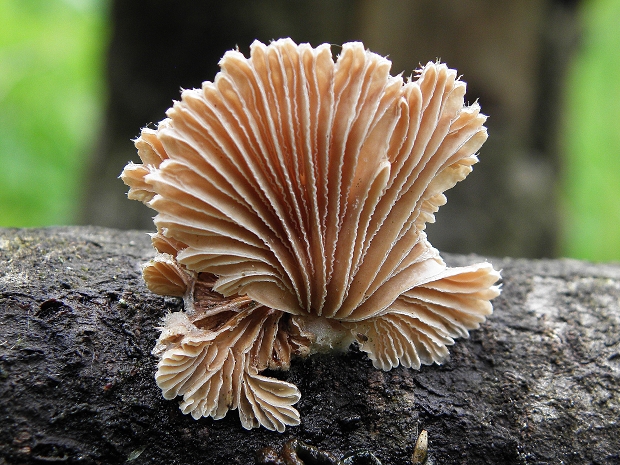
{"x": 303, "y": 185}
{"x": 213, "y": 362}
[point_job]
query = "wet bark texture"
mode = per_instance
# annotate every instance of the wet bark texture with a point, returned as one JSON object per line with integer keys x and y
{"x": 538, "y": 383}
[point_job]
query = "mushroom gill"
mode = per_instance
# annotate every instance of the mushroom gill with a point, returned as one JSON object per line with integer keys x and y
{"x": 292, "y": 195}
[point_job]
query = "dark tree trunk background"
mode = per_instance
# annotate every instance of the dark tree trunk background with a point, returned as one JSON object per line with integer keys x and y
{"x": 513, "y": 56}
{"x": 538, "y": 383}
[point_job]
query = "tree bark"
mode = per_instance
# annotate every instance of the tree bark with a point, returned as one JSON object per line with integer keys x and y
{"x": 538, "y": 383}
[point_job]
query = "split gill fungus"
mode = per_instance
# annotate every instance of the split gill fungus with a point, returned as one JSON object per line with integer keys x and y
{"x": 292, "y": 195}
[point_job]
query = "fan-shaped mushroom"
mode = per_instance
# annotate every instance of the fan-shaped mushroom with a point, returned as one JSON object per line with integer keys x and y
{"x": 292, "y": 195}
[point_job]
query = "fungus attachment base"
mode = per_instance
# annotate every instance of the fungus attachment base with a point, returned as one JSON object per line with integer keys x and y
{"x": 292, "y": 195}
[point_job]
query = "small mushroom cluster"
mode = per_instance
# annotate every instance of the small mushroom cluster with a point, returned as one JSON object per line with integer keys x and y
{"x": 292, "y": 195}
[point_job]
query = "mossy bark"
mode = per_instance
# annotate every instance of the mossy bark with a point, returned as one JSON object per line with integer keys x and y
{"x": 538, "y": 383}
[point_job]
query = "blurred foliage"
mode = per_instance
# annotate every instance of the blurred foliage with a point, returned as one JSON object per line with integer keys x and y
{"x": 591, "y": 177}
{"x": 51, "y": 100}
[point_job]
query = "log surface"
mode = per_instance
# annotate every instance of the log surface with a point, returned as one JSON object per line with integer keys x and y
{"x": 539, "y": 382}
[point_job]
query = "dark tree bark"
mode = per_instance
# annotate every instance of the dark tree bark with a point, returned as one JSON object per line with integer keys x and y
{"x": 538, "y": 383}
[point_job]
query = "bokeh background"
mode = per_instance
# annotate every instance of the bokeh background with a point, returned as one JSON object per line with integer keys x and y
{"x": 80, "y": 78}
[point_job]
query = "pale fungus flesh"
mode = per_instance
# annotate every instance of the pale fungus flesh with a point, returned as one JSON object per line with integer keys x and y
{"x": 292, "y": 195}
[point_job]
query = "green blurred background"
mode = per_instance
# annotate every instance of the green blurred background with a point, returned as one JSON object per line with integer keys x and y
{"x": 59, "y": 60}
{"x": 52, "y": 95}
{"x": 590, "y": 181}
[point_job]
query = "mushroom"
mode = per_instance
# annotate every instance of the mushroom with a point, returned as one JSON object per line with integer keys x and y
{"x": 292, "y": 195}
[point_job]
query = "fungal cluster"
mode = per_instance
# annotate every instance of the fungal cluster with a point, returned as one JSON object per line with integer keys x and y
{"x": 292, "y": 195}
